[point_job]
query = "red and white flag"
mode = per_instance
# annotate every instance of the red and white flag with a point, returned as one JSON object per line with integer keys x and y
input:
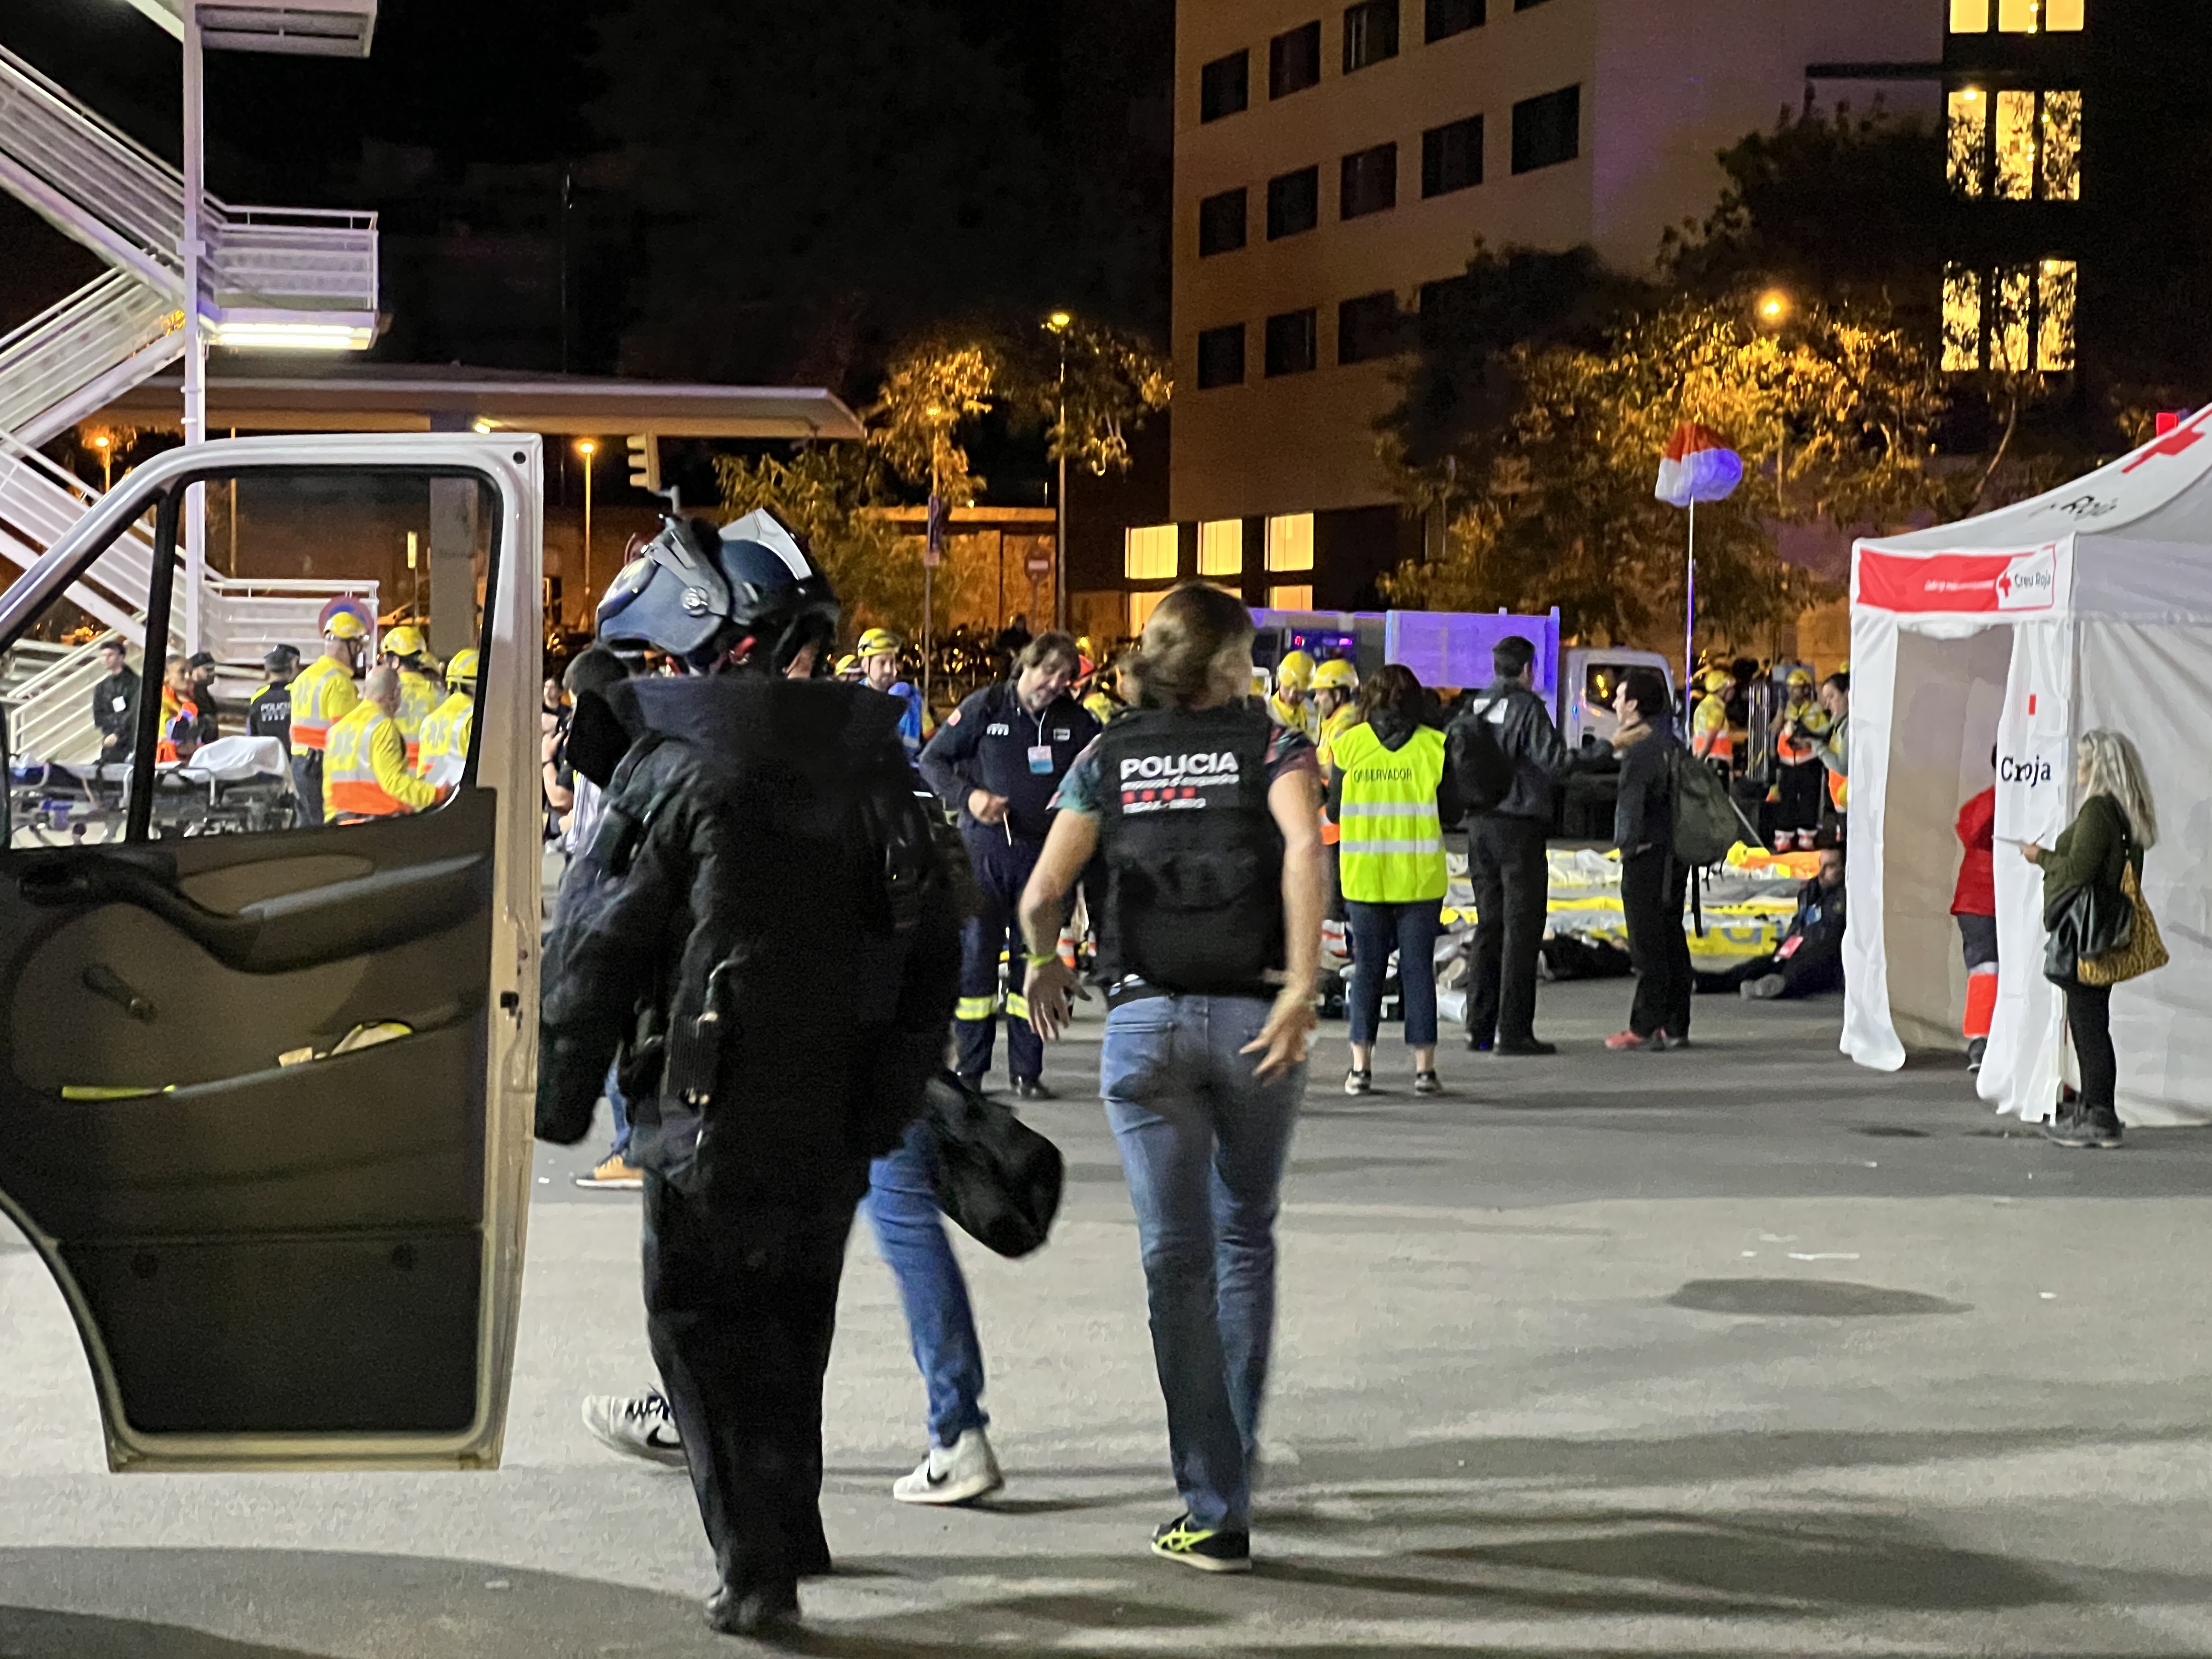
{"x": 1698, "y": 465}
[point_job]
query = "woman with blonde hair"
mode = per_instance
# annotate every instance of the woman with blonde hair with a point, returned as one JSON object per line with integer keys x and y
{"x": 2116, "y": 822}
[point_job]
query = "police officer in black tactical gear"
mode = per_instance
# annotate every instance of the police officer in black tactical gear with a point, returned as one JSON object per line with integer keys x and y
{"x": 763, "y": 926}
{"x": 270, "y": 713}
{"x": 996, "y": 761}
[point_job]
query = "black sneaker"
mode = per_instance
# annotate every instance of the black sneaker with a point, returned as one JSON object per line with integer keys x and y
{"x": 1479, "y": 1045}
{"x": 1427, "y": 1083}
{"x": 1527, "y": 1046}
{"x": 1030, "y": 1088}
{"x": 1208, "y": 1551}
{"x": 2098, "y": 1128}
{"x": 762, "y": 1609}
{"x": 1975, "y": 1049}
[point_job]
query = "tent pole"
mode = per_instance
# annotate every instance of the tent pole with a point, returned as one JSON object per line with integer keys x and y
{"x": 1689, "y": 610}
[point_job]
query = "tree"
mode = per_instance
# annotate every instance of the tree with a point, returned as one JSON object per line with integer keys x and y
{"x": 1115, "y": 379}
{"x": 930, "y": 392}
{"x": 824, "y": 492}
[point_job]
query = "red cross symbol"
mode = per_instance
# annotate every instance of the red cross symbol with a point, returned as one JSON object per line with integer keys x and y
{"x": 2182, "y": 437}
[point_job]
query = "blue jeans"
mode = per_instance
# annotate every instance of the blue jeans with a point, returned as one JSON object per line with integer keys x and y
{"x": 1410, "y": 930}
{"x": 1203, "y": 1143}
{"x": 901, "y": 1205}
{"x": 620, "y": 1107}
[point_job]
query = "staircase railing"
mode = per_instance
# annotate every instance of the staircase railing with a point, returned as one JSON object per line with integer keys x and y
{"x": 64, "y": 364}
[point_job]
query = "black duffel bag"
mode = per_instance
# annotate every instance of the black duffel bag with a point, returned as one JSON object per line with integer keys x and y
{"x": 2087, "y": 921}
{"x": 997, "y": 1178}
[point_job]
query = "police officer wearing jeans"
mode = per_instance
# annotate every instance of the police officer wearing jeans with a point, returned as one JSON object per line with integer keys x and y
{"x": 1505, "y": 861}
{"x": 997, "y": 761}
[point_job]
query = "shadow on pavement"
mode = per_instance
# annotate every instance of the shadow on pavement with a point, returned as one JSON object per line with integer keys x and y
{"x": 34, "y": 1634}
{"x": 1807, "y": 1299}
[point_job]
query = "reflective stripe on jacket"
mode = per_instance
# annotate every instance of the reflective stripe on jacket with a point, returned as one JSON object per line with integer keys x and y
{"x": 418, "y": 695}
{"x": 365, "y": 769}
{"x": 1709, "y": 737}
{"x": 1392, "y": 847}
{"x": 322, "y": 694}
{"x": 446, "y": 731}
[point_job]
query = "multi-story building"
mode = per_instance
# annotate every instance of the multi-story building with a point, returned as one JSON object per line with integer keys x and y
{"x": 1333, "y": 161}
{"x": 2014, "y": 73}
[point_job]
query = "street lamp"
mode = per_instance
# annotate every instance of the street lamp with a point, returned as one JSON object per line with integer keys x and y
{"x": 106, "y": 445}
{"x": 1057, "y": 325}
{"x": 587, "y": 447}
{"x": 1774, "y": 308}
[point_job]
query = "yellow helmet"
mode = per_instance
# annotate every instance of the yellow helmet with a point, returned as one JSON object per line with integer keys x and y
{"x": 344, "y": 625}
{"x": 462, "y": 666}
{"x": 1296, "y": 670}
{"x": 877, "y": 640}
{"x": 848, "y": 664}
{"x": 406, "y": 640}
{"x": 1336, "y": 675}
{"x": 1801, "y": 676}
{"x": 1715, "y": 681}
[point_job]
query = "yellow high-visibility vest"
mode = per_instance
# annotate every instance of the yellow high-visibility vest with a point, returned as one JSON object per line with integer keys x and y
{"x": 322, "y": 694}
{"x": 446, "y": 731}
{"x": 418, "y": 695}
{"x": 1392, "y": 844}
{"x": 365, "y": 769}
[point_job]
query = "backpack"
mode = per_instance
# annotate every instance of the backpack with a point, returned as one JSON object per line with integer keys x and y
{"x": 1485, "y": 771}
{"x": 1706, "y": 822}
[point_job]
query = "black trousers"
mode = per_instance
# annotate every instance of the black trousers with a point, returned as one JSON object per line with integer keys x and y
{"x": 1815, "y": 966}
{"x": 1800, "y": 789}
{"x": 739, "y": 1310}
{"x": 2089, "y": 1023}
{"x": 1652, "y": 888}
{"x": 1512, "y": 885}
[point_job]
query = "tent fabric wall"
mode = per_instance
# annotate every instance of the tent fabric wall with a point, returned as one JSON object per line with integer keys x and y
{"x": 1869, "y": 1037}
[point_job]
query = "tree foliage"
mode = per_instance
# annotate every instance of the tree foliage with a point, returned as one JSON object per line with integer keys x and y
{"x": 1114, "y": 380}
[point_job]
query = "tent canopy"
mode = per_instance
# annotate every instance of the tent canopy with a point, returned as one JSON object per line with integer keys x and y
{"x": 2089, "y": 606}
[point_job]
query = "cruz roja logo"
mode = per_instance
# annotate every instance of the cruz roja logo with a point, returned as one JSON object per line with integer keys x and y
{"x": 2030, "y": 769}
{"x": 1155, "y": 783}
{"x": 2030, "y": 581}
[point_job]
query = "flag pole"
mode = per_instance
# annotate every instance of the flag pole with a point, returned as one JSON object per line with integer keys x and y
{"x": 1689, "y": 610}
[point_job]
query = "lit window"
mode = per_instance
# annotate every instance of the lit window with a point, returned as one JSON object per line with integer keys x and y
{"x": 1969, "y": 130}
{"x": 1148, "y": 555}
{"x": 1141, "y": 606}
{"x": 2024, "y": 16}
{"x": 1962, "y": 319}
{"x": 2062, "y": 16}
{"x": 2011, "y": 296}
{"x": 2054, "y": 334}
{"x": 2016, "y": 153}
{"x": 1970, "y": 16}
{"x": 2062, "y": 147}
{"x": 1290, "y": 541}
{"x": 1289, "y": 598}
{"x": 1221, "y": 547}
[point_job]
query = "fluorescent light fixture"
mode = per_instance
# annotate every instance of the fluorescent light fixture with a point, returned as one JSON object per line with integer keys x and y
{"x": 293, "y": 336}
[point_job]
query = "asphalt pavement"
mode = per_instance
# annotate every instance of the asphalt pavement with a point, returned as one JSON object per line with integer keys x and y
{"x": 1738, "y": 1350}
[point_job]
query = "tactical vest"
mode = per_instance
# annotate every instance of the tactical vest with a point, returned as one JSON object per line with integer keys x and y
{"x": 1194, "y": 860}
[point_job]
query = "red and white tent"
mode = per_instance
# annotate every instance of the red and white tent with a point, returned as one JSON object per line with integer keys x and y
{"x": 2089, "y": 606}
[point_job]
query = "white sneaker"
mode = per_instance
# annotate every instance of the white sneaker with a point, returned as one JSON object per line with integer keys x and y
{"x": 958, "y": 1473}
{"x": 636, "y": 1425}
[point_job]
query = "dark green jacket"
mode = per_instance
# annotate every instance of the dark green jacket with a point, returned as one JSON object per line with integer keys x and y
{"x": 2089, "y": 849}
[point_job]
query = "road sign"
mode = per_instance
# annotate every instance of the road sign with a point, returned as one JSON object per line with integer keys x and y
{"x": 1039, "y": 564}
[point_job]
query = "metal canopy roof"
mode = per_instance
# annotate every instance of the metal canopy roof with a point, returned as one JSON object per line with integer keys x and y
{"x": 357, "y": 396}
{"x": 313, "y": 29}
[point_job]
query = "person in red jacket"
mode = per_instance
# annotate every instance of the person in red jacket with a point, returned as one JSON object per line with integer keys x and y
{"x": 1974, "y": 902}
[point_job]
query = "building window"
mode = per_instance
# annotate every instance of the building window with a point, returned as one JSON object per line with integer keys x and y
{"x": 1221, "y": 547}
{"x": 1141, "y": 606}
{"x": 1368, "y": 327}
{"x": 1526, "y": 5}
{"x": 2011, "y": 320}
{"x": 2014, "y": 145}
{"x": 1293, "y": 202}
{"x": 2018, "y": 17}
{"x": 1451, "y": 157}
{"x": 1148, "y": 553}
{"x": 1291, "y": 542}
{"x": 1224, "y": 86}
{"x": 1221, "y": 356}
{"x": 1446, "y": 18}
{"x": 1221, "y": 222}
{"x": 1290, "y": 343}
{"x": 1369, "y": 181}
{"x": 1370, "y": 34}
{"x": 1294, "y": 61}
{"x": 1547, "y": 131}
{"x": 1290, "y": 599}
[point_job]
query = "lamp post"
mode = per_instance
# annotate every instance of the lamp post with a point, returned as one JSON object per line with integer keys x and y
{"x": 587, "y": 447}
{"x": 1057, "y": 325}
{"x": 106, "y": 445}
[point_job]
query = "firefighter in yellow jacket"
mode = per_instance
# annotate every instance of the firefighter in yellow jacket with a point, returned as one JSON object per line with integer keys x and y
{"x": 1710, "y": 740}
{"x": 446, "y": 728}
{"x": 322, "y": 695}
{"x": 404, "y": 649}
{"x": 365, "y": 772}
{"x": 1289, "y": 707}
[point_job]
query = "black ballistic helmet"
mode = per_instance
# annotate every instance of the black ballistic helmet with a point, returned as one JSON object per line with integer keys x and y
{"x": 698, "y": 595}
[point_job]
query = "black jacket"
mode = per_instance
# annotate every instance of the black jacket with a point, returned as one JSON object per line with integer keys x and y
{"x": 115, "y": 712}
{"x": 986, "y": 745}
{"x": 737, "y": 834}
{"x": 1643, "y": 816}
{"x": 1527, "y": 737}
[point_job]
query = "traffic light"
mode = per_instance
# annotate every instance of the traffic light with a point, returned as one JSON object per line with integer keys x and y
{"x": 644, "y": 462}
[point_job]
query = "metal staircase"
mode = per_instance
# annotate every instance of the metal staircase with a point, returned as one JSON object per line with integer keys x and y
{"x": 267, "y": 275}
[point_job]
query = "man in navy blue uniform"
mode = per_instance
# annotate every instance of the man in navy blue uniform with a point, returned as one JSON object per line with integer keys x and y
{"x": 997, "y": 760}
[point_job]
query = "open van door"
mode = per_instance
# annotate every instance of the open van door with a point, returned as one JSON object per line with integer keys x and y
{"x": 266, "y": 1081}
